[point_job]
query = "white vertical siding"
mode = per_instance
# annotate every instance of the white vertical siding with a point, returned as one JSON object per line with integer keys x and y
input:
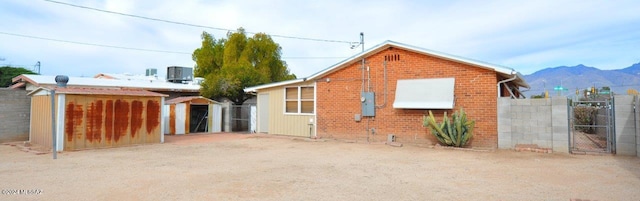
{"x": 181, "y": 118}
{"x": 215, "y": 124}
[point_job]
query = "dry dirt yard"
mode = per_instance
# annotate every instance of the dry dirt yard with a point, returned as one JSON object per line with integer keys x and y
{"x": 260, "y": 167}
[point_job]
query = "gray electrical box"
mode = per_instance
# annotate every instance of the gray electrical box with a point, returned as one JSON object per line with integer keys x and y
{"x": 368, "y": 104}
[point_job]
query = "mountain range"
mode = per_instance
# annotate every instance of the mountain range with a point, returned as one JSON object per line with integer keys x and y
{"x": 581, "y": 77}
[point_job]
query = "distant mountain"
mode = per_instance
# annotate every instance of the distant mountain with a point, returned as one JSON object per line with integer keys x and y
{"x": 581, "y": 77}
{"x": 633, "y": 69}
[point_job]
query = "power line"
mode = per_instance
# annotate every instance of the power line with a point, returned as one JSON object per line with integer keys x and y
{"x": 314, "y": 57}
{"x": 193, "y": 25}
{"x": 15, "y": 65}
{"x": 93, "y": 44}
{"x": 132, "y": 48}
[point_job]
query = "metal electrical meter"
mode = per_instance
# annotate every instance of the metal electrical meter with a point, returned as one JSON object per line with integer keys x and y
{"x": 368, "y": 104}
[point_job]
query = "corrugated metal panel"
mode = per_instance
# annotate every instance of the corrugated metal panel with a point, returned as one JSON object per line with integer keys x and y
{"x": 110, "y": 121}
{"x": 216, "y": 118}
{"x": 210, "y": 119}
{"x": 181, "y": 118}
{"x": 74, "y": 124}
{"x": 40, "y": 129}
{"x": 165, "y": 118}
{"x": 172, "y": 119}
{"x": 187, "y": 119}
{"x": 253, "y": 119}
{"x": 152, "y": 121}
{"x": 137, "y": 122}
{"x": 285, "y": 124}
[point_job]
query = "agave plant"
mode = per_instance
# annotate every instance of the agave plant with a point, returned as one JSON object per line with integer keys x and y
{"x": 455, "y": 134}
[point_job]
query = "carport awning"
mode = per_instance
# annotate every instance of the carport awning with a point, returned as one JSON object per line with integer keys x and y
{"x": 424, "y": 94}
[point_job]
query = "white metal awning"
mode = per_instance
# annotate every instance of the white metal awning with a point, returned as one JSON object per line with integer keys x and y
{"x": 434, "y": 93}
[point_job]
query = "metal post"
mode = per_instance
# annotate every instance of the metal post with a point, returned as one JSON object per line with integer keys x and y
{"x": 53, "y": 124}
{"x": 612, "y": 125}
{"x": 570, "y": 124}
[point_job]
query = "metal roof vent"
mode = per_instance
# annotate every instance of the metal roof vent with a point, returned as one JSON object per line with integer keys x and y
{"x": 62, "y": 80}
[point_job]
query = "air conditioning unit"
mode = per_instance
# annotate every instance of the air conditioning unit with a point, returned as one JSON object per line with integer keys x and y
{"x": 151, "y": 72}
{"x": 179, "y": 74}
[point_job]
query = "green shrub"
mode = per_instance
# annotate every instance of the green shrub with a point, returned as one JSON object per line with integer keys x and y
{"x": 455, "y": 134}
{"x": 584, "y": 115}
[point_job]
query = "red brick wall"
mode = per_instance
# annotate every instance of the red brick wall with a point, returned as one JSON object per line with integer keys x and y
{"x": 338, "y": 100}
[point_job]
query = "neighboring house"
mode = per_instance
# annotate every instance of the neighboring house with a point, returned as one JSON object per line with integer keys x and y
{"x": 387, "y": 90}
{"x": 32, "y": 82}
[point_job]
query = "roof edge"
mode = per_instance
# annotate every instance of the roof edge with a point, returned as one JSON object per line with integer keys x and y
{"x": 442, "y": 55}
{"x": 274, "y": 84}
{"x": 388, "y": 43}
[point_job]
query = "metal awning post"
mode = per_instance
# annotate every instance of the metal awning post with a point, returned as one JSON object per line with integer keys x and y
{"x": 61, "y": 81}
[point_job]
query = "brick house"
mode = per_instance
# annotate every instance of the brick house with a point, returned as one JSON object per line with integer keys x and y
{"x": 387, "y": 90}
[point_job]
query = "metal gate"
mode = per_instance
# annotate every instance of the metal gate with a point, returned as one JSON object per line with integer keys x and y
{"x": 240, "y": 118}
{"x": 592, "y": 126}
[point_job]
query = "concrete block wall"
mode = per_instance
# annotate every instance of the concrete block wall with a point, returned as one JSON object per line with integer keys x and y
{"x": 625, "y": 125}
{"x": 637, "y": 115}
{"x": 15, "y": 107}
{"x": 542, "y": 122}
{"x": 560, "y": 125}
{"x": 531, "y": 121}
{"x": 504, "y": 123}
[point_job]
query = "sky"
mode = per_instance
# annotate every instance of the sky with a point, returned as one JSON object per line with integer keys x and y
{"x": 521, "y": 34}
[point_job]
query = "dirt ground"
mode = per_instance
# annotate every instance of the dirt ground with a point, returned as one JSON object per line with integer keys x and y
{"x": 261, "y": 167}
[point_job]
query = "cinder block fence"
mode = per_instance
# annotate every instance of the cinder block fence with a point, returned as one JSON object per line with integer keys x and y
{"x": 545, "y": 123}
{"x": 14, "y": 115}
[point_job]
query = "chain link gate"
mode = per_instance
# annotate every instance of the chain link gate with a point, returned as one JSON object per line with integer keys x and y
{"x": 592, "y": 126}
{"x": 240, "y": 118}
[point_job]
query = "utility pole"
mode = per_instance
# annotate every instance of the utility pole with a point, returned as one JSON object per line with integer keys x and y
{"x": 362, "y": 40}
{"x": 37, "y": 67}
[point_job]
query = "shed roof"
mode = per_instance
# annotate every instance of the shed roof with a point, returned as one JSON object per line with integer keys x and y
{"x": 505, "y": 71}
{"x": 86, "y": 82}
{"x": 188, "y": 98}
{"x": 99, "y": 91}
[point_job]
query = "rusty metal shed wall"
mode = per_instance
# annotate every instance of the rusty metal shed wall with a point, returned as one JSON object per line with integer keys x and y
{"x": 95, "y": 121}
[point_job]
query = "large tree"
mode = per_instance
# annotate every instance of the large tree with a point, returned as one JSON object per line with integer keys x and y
{"x": 7, "y": 73}
{"x": 232, "y": 64}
